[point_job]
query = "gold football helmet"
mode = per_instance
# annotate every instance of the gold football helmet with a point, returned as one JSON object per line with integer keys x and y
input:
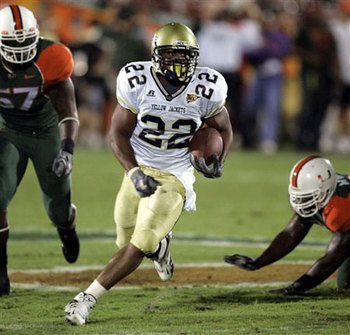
{"x": 175, "y": 52}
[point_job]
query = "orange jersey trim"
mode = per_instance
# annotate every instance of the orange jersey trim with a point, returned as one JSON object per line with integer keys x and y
{"x": 337, "y": 214}
{"x": 56, "y": 64}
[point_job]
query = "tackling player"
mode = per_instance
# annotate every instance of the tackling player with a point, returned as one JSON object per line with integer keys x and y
{"x": 161, "y": 105}
{"x": 38, "y": 122}
{"x": 320, "y": 196}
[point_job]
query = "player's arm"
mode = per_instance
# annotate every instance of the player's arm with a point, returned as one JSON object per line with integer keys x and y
{"x": 122, "y": 126}
{"x": 221, "y": 122}
{"x": 63, "y": 99}
{"x": 282, "y": 244}
{"x": 337, "y": 251}
{"x": 56, "y": 65}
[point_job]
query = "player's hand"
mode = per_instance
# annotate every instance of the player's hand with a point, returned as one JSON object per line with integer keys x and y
{"x": 213, "y": 170}
{"x": 290, "y": 290}
{"x": 63, "y": 164}
{"x": 243, "y": 262}
{"x": 145, "y": 185}
{"x": 297, "y": 288}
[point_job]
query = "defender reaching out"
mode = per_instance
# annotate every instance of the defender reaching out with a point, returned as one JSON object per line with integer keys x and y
{"x": 320, "y": 196}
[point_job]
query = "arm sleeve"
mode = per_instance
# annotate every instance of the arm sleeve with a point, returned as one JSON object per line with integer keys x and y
{"x": 56, "y": 64}
{"x": 218, "y": 97}
{"x": 126, "y": 96}
{"x": 337, "y": 214}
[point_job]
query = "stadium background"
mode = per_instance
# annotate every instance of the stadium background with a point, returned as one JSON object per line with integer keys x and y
{"x": 105, "y": 35}
{"x": 240, "y": 212}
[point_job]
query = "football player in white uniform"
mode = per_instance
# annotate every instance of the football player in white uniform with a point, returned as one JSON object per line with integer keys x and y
{"x": 161, "y": 104}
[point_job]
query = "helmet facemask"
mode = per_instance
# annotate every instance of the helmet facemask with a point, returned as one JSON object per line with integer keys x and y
{"x": 19, "y": 48}
{"x": 306, "y": 204}
{"x": 19, "y": 34}
{"x": 177, "y": 64}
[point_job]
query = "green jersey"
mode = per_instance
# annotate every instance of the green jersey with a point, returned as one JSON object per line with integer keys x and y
{"x": 24, "y": 103}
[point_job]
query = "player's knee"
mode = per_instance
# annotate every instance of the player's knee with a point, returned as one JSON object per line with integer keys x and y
{"x": 147, "y": 241}
{"x": 123, "y": 236}
{"x": 121, "y": 241}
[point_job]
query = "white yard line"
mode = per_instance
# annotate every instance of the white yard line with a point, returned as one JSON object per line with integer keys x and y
{"x": 42, "y": 287}
{"x": 58, "y": 269}
{"x": 250, "y": 244}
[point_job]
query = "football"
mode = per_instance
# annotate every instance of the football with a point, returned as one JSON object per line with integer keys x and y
{"x": 206, "y": 142}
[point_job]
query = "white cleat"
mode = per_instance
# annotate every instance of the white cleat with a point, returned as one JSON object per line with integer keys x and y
{"x": 163, "y": 262}
{"x": 77, "y": 310}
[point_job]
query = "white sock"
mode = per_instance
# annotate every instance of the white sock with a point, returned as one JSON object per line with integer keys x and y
{"x": 96, "y": 289}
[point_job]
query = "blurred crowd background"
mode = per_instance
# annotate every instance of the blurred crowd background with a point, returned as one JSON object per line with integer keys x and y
{"x": 286, "y": 62}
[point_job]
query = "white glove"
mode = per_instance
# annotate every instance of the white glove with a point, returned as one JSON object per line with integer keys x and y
{"x": 63, "y": 164}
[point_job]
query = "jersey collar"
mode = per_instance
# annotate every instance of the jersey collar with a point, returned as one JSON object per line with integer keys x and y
{"x": 166, "y": 94}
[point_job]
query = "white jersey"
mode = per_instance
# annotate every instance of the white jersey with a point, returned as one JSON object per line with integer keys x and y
{"x": 166, "y": 122}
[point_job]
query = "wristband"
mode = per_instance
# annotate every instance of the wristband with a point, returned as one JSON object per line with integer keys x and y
{"x": 69, "y": 118}
{"x": 67, "y": 145}
{"x": 4, "y": 229}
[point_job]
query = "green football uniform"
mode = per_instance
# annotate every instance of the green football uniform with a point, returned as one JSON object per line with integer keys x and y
{"x": 29, "y": 127}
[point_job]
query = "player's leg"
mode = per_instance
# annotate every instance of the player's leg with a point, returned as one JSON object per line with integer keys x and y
{"x": 12, "y": 168}
{"x": 157, "y": 215}
{"x": 125, "y": 261}
{"x": 343, "y": 276}
{"x": 128, "y": 258}
{"x": 125, "y": 212}
{"x": 56, "y": 193}
{"x": 4, "y": 234}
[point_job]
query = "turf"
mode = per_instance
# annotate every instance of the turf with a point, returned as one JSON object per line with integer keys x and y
{"x": 240, "y": 212}
{"x": 172, "y": 310}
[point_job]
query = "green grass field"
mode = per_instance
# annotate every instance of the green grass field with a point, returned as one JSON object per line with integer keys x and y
{"x": 240, "y": 212}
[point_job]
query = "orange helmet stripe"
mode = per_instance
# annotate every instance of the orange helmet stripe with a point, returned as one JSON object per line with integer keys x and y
{"x": 298, "y": 168}
{"x": 17, "y": 17}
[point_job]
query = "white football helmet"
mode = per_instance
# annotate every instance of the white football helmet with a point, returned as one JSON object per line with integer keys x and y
{"x": 19, "y": 34}
{"x": 312, "y": 183}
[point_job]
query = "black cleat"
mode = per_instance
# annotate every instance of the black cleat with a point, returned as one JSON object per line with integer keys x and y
{"x": 70, "y": 240}
{"x": 4, "y": 283}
